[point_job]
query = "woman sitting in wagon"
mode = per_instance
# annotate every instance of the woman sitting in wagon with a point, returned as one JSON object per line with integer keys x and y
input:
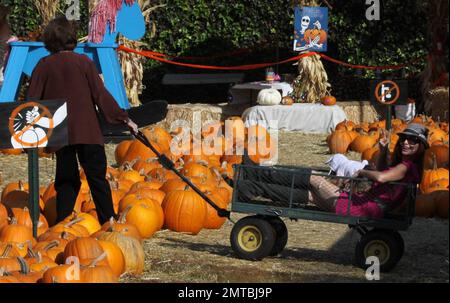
{"x": 382, "y": 197}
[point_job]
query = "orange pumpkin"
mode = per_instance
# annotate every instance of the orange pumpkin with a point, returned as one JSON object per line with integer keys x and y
{"x": 328, "y": 100}
{"x": 339, "y": 142}
{"x": 184, "y": 211}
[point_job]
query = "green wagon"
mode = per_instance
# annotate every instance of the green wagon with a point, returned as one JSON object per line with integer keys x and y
{"x": 268, "y": 194}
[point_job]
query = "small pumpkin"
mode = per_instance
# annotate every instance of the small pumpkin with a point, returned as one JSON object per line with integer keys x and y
{"x": 269, "y": 96}
{"x": 328, "y": 100}
{"x": 287, "y": 100}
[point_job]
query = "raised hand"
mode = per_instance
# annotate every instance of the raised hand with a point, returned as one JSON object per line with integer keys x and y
{"x": 31, "y": 115}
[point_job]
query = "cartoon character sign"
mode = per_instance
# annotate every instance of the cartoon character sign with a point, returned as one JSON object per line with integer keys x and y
{"x": 311, "y": 29}
{"x": 33, "y": 124}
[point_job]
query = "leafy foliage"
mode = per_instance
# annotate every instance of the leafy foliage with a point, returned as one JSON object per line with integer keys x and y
{"x": 264, "y": 29}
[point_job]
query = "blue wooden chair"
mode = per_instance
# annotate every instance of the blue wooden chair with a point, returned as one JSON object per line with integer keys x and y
{"x": 25, "y": 55}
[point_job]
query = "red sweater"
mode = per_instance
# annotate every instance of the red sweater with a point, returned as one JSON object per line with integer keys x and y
{"x": 74, "y": 77}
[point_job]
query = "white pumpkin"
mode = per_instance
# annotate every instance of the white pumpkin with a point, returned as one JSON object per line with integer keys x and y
{"x": 269, "y": 96}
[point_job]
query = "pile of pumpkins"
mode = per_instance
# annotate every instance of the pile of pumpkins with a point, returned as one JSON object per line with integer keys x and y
{"x": 432, "y": 198}
{"x": 147, "y": 198}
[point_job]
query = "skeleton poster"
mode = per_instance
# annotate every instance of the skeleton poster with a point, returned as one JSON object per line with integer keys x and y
{"x": 32, "y": 124}
{"x": 311, "y": 29}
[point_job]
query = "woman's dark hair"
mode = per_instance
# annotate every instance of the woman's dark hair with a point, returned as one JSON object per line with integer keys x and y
{"x": 397, "y": 157}
{"x": 59, "y": 35}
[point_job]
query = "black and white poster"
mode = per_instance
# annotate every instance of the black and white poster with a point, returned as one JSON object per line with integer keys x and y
{"x": 31, "y": 124}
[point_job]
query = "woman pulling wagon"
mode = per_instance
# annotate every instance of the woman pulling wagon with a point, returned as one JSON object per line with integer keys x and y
{"x": 67, "y": 75}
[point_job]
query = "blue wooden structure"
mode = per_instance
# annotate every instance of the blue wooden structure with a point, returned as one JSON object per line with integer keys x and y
{"x": 25, "y": 55}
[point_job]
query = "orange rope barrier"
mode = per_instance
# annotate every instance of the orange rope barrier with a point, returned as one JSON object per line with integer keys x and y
{"x": 162, "y": 58}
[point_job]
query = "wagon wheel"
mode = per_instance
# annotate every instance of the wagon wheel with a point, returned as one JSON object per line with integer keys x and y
{"x": 281, "y": 235}
{"x": 384, "y": 244}
{"x": 252, "y": 238}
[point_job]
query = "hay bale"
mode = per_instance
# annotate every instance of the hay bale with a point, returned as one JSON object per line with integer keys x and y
{"x": 195, "y": 115}
{"x": 361, "y": 111}
{"x": 437, "y": 103}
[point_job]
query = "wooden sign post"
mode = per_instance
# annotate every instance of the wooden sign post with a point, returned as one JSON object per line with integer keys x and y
{"x": 32, "y": 125}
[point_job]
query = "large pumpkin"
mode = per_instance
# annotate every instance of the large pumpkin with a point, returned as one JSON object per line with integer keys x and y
{"x": 147, "y": 215}
{"x": 339, "y": 141}
{"x": 83, "y": 248}
{"x": 438, "y": 153}
{"x": 132, "y": 251}
{"x": 184, "y": 211}
{"x": 115, "y": 256}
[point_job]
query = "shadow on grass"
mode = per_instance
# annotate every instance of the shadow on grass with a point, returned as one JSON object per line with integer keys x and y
{"x": 341, "y": 253}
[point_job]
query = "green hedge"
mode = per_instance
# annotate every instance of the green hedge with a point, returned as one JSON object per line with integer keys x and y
{"x": 211, "y": 27}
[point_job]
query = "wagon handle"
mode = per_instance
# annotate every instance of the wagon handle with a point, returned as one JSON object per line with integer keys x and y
{"x": 168, "y": 164}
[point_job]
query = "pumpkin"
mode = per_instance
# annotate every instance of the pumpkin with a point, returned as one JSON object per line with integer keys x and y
{"x": 71, "y": 227}
{"x": 23, "y": 217}
{"x": 8, "y": 257}
{"x": 24, "y": 275}
{"x": 52, "y": 249}
{"x": 268, "y": 96}
{"x": 160, "y": 136}
{"x": 83, "y": 248}
{"x": 114, "y": 256}
{"x": 88, "y": 221}
{"x": 212, "y": 220}
{"x": 67, "y": 273}
{"x": 146, "y": 215}
{"x": 154, "y": 194}
{"x": 345, "y": 125}
{"x": 121, "y": 151}
{"x": 16, "y": 195}
{"x": 40, "y": 263}
{"x": 287, "y": 100}
{"x": 362, "y": 142}
{"x": 436, "y": 134}
{"x": 438, "y": 153}
{"x": 328, "y": 100}
{"x": 132, "y": 251}
{"x": 433, "y": 174}
{"x": 96, "y": 273}
{"x": 437, "y": 185}
{"x": 425, "y": 206}
{"x": 184, "y": 211}
{"x": 145, "y": 166}
{"x": 123, "y": 227}
{"x": 138, "y": 150}
{"x": 19, "y": 235}
{"x": 5, "y": 277}
{"x": 339, "y": 141}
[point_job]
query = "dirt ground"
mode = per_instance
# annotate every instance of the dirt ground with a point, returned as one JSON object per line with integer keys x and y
{"x": 315, "y": 252}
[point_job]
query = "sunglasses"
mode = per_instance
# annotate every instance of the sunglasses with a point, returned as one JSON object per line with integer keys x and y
{"x": 411, "y": 139}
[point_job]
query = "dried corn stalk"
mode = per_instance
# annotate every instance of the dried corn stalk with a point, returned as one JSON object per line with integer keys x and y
{"x": 131, "y": 64}
{"x": 47, "y": 10}
{"x": 311, "y": 83}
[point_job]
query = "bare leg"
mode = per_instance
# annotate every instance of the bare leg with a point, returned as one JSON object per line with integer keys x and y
{"x": 323, "y": 193}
